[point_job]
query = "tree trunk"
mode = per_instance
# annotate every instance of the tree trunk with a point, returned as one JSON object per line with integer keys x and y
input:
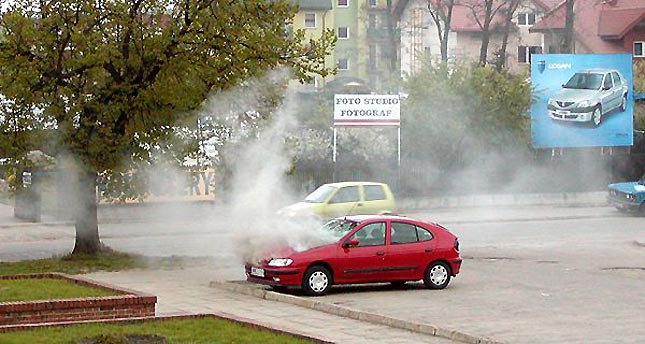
{"x": 87, "y": 228}
{"x": 488, "y": 18}
{"x": 391, "y": 38}
{"x": 567, "y": 45}
{"x": 501, "y": 60}
{"x": 446, "y": 32}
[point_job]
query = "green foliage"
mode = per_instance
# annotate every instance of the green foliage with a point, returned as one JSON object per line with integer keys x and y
{"x": 206, "y": 330}
{"x": 456, "y": 113}
{"x": 638, "y": 72}
{"x": 45, "y": 289}
{"x": 114, "y": 79}
{"x": 75, "y": 264}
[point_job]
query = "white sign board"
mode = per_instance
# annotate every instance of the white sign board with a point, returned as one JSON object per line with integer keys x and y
{"x": 361, "y": 110}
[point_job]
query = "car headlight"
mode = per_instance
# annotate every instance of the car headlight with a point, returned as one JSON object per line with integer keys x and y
{"x": 584, "y": 103}
{"x": 278, "y": 262}
{"x": 552, "y": 102}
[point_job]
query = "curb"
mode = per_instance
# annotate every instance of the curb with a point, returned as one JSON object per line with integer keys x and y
{"x": 347, "y": 312}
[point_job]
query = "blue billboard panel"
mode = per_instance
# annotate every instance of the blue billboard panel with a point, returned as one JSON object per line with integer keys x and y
{"x": 581, "y": 100}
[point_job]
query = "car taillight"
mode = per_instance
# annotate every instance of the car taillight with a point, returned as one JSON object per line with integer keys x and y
{"x": 456, "y": 244}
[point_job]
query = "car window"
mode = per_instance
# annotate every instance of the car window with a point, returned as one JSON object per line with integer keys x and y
{"x": 423, "y": 234}
{"x": 372, "y": 234}
{"x": 403, "y": 233}
{"x": 345, "y": 194}
{"x": 339, "y": 227}
{"x": 321, "y": 194}
{"x": 607, "y": 83}
{"x": 584, "y": 81}
{"x": 617, "y": 80}
{"x": 374, "y": 192}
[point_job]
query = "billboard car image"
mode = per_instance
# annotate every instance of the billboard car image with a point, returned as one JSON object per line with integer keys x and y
{"x": 581, "y": 100}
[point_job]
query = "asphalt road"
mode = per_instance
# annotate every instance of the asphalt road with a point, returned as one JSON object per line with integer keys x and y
{"x": 539, "y": 274}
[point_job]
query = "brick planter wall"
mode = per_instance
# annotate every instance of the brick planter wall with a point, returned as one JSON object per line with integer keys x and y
{"x": 129, "y": 304}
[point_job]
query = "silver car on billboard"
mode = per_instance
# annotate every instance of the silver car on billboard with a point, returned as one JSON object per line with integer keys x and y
{"x": 589, "y": 95}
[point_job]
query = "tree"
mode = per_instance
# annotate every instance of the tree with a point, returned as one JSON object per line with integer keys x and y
{"x": 483, "y": 13}
{"x": 115, "y": 78}
{"x": 509, "y": 13}
{"x": 441, "y": 14}
{"x": 463, "y": 114}
{"x": 567, "y": 43}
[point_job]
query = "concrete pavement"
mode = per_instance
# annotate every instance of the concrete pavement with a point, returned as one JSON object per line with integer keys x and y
{"x": 187, "y": 291}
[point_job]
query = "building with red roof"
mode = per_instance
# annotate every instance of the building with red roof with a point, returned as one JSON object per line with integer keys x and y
{"x": 419, "y": 38}
{"x": 600, "y": 27}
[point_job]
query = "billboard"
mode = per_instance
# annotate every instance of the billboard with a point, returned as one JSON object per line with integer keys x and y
{"x": 360, "y": 110}
{"x": 581, "y": 100}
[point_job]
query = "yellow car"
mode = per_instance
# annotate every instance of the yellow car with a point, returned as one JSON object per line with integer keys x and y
{"x": 344, "y": 198}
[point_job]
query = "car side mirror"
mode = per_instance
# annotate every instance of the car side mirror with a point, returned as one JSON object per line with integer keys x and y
{"x": 606, "y": 88}
{"x": 350, "y": 243}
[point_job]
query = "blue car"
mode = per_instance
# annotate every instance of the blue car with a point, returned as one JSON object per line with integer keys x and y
{"x": 628, "y": 196}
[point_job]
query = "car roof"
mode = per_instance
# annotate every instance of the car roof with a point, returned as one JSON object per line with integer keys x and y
{"x": 343, "y": 184}
{"x": 361, "y": 218}
{"x": 597, "y": 70}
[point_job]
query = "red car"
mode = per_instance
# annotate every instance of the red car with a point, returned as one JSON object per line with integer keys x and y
{"x": 369, "y": 248}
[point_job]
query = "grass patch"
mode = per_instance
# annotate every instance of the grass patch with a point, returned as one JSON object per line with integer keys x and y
{"x": 177, "y": 331}
{"x": 32, "y": 289}
{"x": 75, "y": 264}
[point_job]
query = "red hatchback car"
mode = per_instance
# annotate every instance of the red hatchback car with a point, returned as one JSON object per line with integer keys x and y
{"x": 367, "y": 248}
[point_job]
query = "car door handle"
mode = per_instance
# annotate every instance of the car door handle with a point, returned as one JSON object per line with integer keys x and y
{"x": 428, "y": 250}
{"x": 380, "y": 253}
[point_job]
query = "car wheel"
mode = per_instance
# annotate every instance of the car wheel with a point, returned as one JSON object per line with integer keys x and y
{"x": 641, "y": 209}
{"x": 596, "y": 116}
{"x": 623, "y": 103}
{"x": 437, "y": 275}
{"x": 317, "y": 281}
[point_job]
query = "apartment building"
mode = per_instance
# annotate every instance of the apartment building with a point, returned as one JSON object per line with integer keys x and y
{"x": 367, "y": 40}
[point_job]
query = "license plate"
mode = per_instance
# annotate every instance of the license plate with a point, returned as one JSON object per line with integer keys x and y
{"x": 257, "y": 272}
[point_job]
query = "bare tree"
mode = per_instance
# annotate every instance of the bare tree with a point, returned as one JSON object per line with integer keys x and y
{"x": 483, "y": 12}
{"x": 513, "y": 5}
{"x": 567, "y": 44}
{"x": 441, "y": 13}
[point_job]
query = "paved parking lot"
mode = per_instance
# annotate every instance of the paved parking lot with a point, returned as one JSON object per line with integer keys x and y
{"x": 531, "y": 274}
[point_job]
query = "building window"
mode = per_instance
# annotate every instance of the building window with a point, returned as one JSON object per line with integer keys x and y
{"x": 524, "y": 53}
{"x": 310, "y": 20}
{"x": 526, "y": 19}
{"x": 343, "y": 64}
{"x": 371, "y": 55}
{"x": 343, "y": 3}
{"x": 373, "y": 3}
{"x": 639, "y": 49}
{"x": 371, "y": 21}
{"x": 343, "y": 32}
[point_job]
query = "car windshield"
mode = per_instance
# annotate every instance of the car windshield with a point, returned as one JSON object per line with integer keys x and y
{"x": 584, "y": 81}
{"x": 320, "y": 195}
{"x": 339, "y": 227}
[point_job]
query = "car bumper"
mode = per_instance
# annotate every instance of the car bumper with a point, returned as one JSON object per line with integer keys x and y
{"x": 572, "y": 116}
{"x": 455, "y": 266}
{"x": 274, "y": 277}
{"x": 623, "y": 203}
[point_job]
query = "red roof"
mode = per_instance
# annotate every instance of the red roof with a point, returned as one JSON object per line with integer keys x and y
{"x": 463, "y": 16}
{"x": 614, "y": 24}
{"x": 596, "y": 22}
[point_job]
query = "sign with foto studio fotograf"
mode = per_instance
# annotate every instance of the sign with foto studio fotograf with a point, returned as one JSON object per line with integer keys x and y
{"x": 581, "y": 100}
{"x": 356, "y": 110}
